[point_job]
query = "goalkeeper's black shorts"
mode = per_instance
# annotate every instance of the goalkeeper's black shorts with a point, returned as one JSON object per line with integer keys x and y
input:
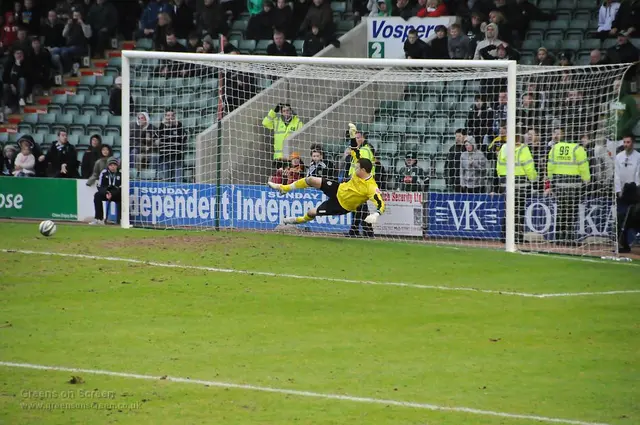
{"x": 331, "y": 206}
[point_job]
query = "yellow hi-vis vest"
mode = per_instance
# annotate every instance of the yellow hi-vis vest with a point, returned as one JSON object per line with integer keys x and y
{"x": 281, "y": 130}
{"x": 524, "y": 163}
{"x": 364, "y": 151}
{"x": 568, "y": 164}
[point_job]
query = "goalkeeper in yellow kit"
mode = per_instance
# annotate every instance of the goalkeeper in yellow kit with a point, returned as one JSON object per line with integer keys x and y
{"x": 343, "y": 197}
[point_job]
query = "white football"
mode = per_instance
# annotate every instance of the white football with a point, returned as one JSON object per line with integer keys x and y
{"x": 48, "y": 228}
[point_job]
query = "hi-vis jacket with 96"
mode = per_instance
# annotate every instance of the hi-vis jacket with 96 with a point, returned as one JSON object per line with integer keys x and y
{"x": 281, "y": 130}
{"x": 524, "y": 164}
{"x": 568, "y": 165}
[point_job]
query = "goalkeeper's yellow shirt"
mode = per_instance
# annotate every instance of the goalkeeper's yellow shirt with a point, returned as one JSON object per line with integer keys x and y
{"x": 357, "y": 191}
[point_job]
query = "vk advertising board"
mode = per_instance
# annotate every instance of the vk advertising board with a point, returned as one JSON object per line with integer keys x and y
{"x": 455, "y": 215}
{"x": 386, "y": 35}
{"x": 241, "y": 206}
{"x": 41, "y": 198}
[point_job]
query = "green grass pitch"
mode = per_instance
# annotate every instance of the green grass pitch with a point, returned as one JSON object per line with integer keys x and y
{"x": 570, "y": 358}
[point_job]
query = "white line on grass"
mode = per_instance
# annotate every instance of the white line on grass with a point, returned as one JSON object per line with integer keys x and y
{"x": 321, "y": 278}
{"x": 368, "y": 400}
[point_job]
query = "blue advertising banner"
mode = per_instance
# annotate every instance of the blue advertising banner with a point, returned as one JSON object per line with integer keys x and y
{"x": 242, "y": 206}
{"x": 595, "y": 218}
{"x": 457, "y": 215}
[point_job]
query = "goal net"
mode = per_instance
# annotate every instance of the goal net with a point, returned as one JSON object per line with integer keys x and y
{"x": 476, "y": 153}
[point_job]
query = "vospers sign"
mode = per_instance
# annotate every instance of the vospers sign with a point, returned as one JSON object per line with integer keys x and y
{"x": 386, "y": 35}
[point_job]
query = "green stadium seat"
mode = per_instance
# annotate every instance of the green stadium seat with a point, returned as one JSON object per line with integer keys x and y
{"x": 439, "y": 126}
{"x": 573, "y": 45}
{"x": 472, "y": 86}
{"x": 582, "y": 15}
{"x": 455, "y": 87}
{"x": 379, "y": 127}
{"x": 108, "y": 140}
{"x": 433, "y": 88}
{"x": 459, "y": 121}
{"x": 425, "y": 108}
{"x": 569, "y": 5}
{"x": 388, "y": 107}
{"x": 247, "y": 45}
{"x": 429, "y": 146}
{"x": 535, "y": 35}
{"x": 450, "y": 102}
{"x": 97, "y": 123}
{"x": 563, "y": 15}
{"x": 45, "y": 121}
{"x": 467, "y": 101}
{"x": 376, "y": 141}
{"x": 30, "y": 118}
{"x": 587, "y": 5}
{"x": 344, "y": 26}
{"x": 74, "y": 104}
{"x": 117, "y": 141}
{"x": 553, "y": 35}
{"x": 551, "y": 45}
{"x": 532, "y": 45}
{"x": 261, "y": 46}
{"x": 4, "y": 138}
{"x": 548, "y": 5}
{"x": 88, "y": 80}
{"x": 339, "y": 6}
{"x": 399, "y": 125}
{"x": 583, "y": 58}
{"x": 299, "y": 45}
{"x": 559, "y": 25}
{"x": 25, "y": 128}
{"x": 411, "y": 143}
{"x": 579, "y": 24}
{"x": 609, "y": 43}
{"x": 539, "y": 25}
{"x": 387, "y": 149}
{"x": 38, "y": 138}
{"x": 527, "y": 58}
{"x": 147, "y": 174}
{"x": 418, "y": 125}
{"x": 239, "y": 27}
{"x": 105, "y": 80}
{"x": 438, "y": 185}
{"x": 406, "y": 108}
{"x": 144, "y": 44}
{"x": 74, "y": 139}
{"x": 590, "y": 44}
{"x": 80, "y": 122}
{"x": 413, "y": 88}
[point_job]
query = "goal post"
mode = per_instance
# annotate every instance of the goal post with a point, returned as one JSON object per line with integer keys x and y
{"x": 466, "y": 189}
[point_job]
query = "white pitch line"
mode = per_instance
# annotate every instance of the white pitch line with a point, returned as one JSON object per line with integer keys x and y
{"x": 320, "y": 278}
{"x": 326, "y": 396}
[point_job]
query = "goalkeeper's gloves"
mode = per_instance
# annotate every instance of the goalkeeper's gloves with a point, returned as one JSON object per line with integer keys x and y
{"x": 372, "y": 218}
{"x": 352, "y": 130}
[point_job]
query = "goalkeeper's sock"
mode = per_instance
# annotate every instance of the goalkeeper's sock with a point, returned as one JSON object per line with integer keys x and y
{"x": 298, "y": 184}
{"x": 304, "y": 218}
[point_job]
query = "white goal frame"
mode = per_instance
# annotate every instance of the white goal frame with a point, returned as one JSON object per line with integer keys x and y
{"x": 510, "y": 68}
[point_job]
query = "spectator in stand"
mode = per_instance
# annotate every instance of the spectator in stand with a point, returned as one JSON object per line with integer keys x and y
{"x": 527, "y": 115}
{"x": 109, "y": 183}
{"x": 403, "y": 9}
{"x": 606, "y": 16}
{"x": 52, "y": 31}
{"x": 452, "y": 164}
{"x": 41, "y": 63}
{"x": 8, "y": 160}
{"x": 491, "y": 39}
{"x": 64, "y": 9}
{"x": 314, "y": 43}
{"x": 595, "y": 58}
{"x": 162, "y": 29}
{"x": 318, "y": 167}
{"x": 433, "y": 9}
{"x": 25, "y": 162}
{"x": 499, "y": 52}
{"x": 260, "y": 26}
{"x": 557, "y": 136}
{"x": 543, "y": 58}
{"x": 282, "y": 126}
{"x": 300, "y": 10}
{"x": 115, "y": 98}
{"x": 475, "y": 31}
{"x": 211, "y": 20}
{"x": 579, "y": 116}
{"x": 521, "y": 15}
{"x": 30, "y": 17}
{"x": 193, "y": 43}
{"x": 416, "y": 48}
{"x": 360, "y": 8}
{"x": 411, "y": 177}
{"x": 77, "y": 34}
{"x": 280, "y": 46}
{"x": 473, "y": 168}
{"x": 61, "y": 158}
{"x": 458, "y": 43}
{"x": 499, "y": 113}
{"x": 149, "y": 18}
{"x": 9, "y": 33}
{"x": 627, "y": 114}
{"x": 103, "y": 18}
{"x": 17, "y": 81}
{"x": 539, "y": 152}
{"x": 207, "y": 45}
{"x": 173, "y": 68}
{"x": 627, "y": 19}
{"x": 41, "y": 165}
{"x": 479, "y": 119}
{"x": 624, "y": 52}
{"x": 91, "y": 156}
{"x": 504, "y": 28}
{"x": 283, "y": 18}
{"x": 320, "y": 15}
{"x": 293, "y": 172}
{"x": 226, "y": 46}
{"x": 381, "y": 8}
{"x": 22, "y": 41}
{"x": 564, "y": 58}
{"x": 105, "y": 153}
{"x": 439, "y": 45}
{"x": 496, "y": 143}
{"x": 144, "y": 141}
{"x": 173, "y": 140}
{"x": 182, "y": 18}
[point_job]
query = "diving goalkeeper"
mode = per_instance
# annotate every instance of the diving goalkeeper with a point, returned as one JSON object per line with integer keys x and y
{"x": 343, "y": 197}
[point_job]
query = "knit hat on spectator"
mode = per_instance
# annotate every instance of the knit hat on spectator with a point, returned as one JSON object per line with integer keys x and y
{"x": 294, "y": 155}
{"x": 112, "y": 160}
{"x": 624, "y": 33}
{"x": 412, "y": 155}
